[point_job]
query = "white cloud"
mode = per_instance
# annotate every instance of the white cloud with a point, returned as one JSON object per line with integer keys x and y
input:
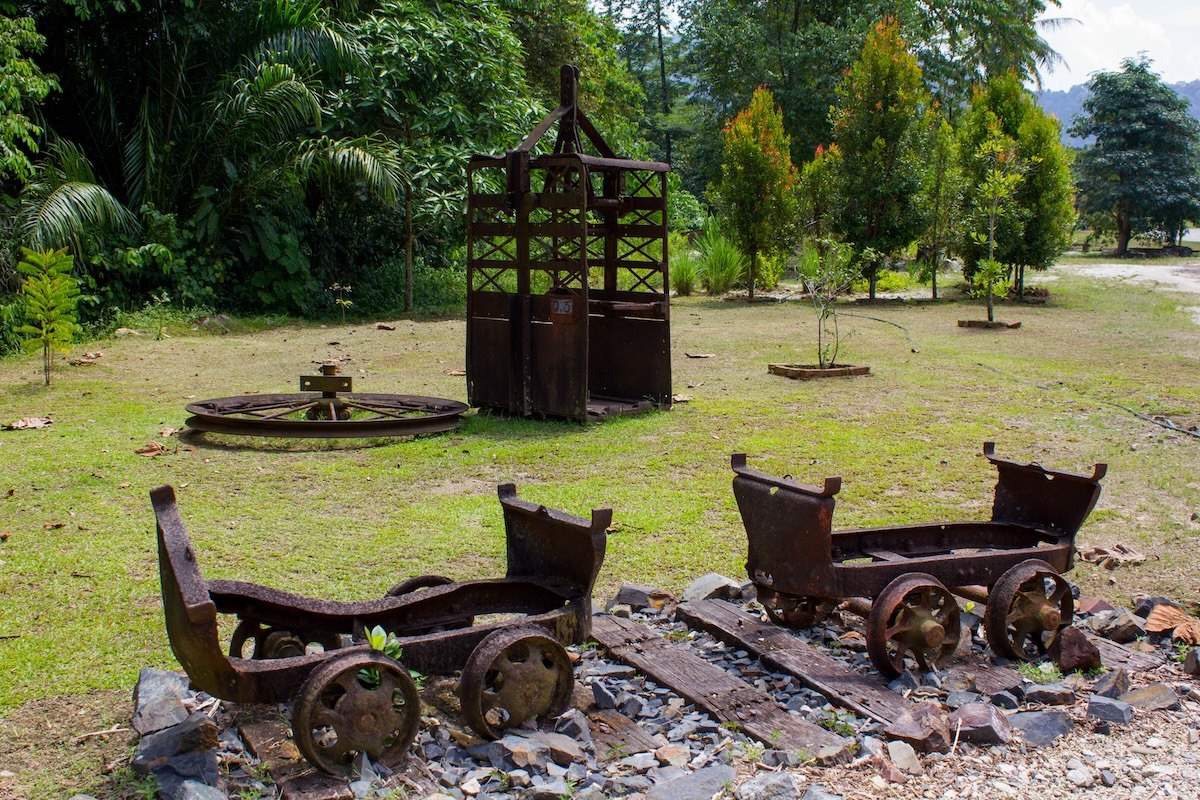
{"x": 1109, "y": 31}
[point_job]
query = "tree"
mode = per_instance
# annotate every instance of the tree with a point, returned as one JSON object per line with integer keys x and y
{"x": 997, "y": 155}
{"x": 51, "y": 297}
{"x": 756, "y": 192}
{"x": 1144, "y": 164}
{"x": 23, "y": 85}
{"x": 941, "y": 196}
{"x": 876, "y": 126}
{"x": 1041, "y": 216}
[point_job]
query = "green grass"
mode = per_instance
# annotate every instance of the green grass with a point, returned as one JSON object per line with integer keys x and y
{"x": 348, "y": 519}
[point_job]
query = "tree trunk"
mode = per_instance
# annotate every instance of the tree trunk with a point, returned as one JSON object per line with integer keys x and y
{"x": 46, "y": 360}
{"x": 408, "y": 249}
{"x": 753, "y": 271}
{"x": 1124, "y": 231}
{"x": 872, "y": 278}
{"x": 662, "y": 76}
{"x": 991, "y": 304}
{"x": 933, "y": 271}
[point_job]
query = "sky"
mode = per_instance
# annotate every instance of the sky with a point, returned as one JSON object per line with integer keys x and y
{"x": 1109, "y": 31}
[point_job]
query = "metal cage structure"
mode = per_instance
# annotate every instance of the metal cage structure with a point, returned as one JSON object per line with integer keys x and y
{"x": 568, "y": 310}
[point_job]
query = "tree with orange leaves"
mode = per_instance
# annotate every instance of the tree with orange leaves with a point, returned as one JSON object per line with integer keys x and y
{"x": 756, "y": 193}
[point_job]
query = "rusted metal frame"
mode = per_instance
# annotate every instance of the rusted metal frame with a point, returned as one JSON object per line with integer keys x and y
{"x": 921, "y": 539}
{"x": 220, "y": 415}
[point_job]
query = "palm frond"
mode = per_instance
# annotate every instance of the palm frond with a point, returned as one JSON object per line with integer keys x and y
{"x": 269, "y": 106}
{"x": 372, "y": 161}
{"x": 300, "y": 33}
{"x": 64, "y": 202}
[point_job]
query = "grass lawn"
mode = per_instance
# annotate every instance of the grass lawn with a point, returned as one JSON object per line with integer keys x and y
{"x": 78, "y": 572}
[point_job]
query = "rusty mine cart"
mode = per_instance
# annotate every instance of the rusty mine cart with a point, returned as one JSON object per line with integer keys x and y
{"x": 348, "y": 698}
{"x": 904, "y": 578}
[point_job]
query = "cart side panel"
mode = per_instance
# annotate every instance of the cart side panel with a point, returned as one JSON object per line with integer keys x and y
{"x": 1029, "y": 494}
{"x": 788, "y": 530}
{"x": 545, "y": 545}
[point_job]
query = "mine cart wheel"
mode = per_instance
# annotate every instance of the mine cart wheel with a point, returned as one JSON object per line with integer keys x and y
{"x": 513, "y": 675}
{"x": 1029, "y": 605}
{"x": 915, "y": 615}
{"x": 309, "y": 415}
{"x": 791, "y": 611}
{"x": 420, "y": 582}
{"x": 272, "y": 642}
{"x": 356, "y": 702}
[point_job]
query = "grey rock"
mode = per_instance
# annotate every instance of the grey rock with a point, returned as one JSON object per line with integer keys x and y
{"x": 574, "y": 724}
{"x": 1120, "y": 625}
{"x": 589, "y": 792}
{"x": 1005, "y": 700}
{"x": 514, "y": 751}
{"x": 1191, "y": 663}
{"x": 158, "y": 700}
{"x": 1083, "y": 778}
{"x": 712, "y": 585}
{"x": 631, "y": 705}
{"x": 638, "y": 597}
{"x": 818, "y": 792}
{"x": 1108, "y": 778}
{"x": 1050, "y": 694}
{"x": 628, "y": 784}
{"x": 1108, "y": 709}
{"x": 360, "y": 789}
{"x": 1041, "y": 727}
{"x": 563, "y": 749}
{"x": 982, "y": 723}
{"x": 193, "y": 790}
{"x": 924, "y": 726}
{"x": 699, "y": 785}
{"x": 1155, "y": 697}
{"x": 906, "y": 682}
{"x": 769, "y": 786}
{"x": 958, "y": 699}
{"x": 904, "y": 756}
{"x": 1112, "y": 684}
{"x": 1074, "y": 652}
{"x": 198, "y": 767}
{"x": 617, "y": 671}
{"x": 959, "y": 680}
{"x": 1143, "y": 605}
{"x": 604, "y": 698}
{"x": 197, "y": 733}
{"x": 553, "y": 789}
{"x": 639, "y": 762}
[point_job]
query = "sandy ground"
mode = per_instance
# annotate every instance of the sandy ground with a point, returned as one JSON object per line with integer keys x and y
{"x": 1168, "y": 277}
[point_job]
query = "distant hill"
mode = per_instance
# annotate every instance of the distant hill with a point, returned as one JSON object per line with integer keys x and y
{"x": 1065, "y": 105}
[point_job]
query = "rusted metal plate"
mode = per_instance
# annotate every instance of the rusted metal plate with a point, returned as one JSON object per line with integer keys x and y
{"x": 714, "y": 691}
{"x": 865, "y": 694}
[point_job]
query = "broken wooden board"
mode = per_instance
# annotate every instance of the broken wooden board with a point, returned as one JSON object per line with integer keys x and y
{"x": 989, "y": 678}
{"x": 270, "y": 741}
{"x": 1113, "y": 655}
{"x": 866, "y": 695}
{"x": 714, "y": 691}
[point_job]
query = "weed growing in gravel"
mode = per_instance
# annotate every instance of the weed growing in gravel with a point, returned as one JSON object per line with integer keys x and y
{"x": 1046, "y": 672}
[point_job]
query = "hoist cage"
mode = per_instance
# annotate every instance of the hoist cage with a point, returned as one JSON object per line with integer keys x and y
{"x": 568, "y": 311}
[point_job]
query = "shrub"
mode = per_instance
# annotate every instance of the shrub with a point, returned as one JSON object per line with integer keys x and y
{"x": 722, "y": 264}
{"x": 886, "y": 281}
{"x": 684, "y": 273}
{"x": 12, "y": 316}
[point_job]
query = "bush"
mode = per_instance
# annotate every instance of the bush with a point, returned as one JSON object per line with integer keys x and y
{"x": 722, "y": 264}
{"x": 12, "y": 315}
{"x": 770, "y": 270}
{"x": 684, "y": 273}
{"x": 888, "y": 281}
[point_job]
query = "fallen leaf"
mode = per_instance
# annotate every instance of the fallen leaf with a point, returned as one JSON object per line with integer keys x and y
{"x": 128, "y": 332}
{"x": 82, "y": 527}
{"x": 456, "y": 372}
{"x": 151, "y": 449}
{"x": 124, "y": 485}
{"x": 10, "y": 492}
{"x": 334, "y": 344}
{"x": 168, "y": 431}
{"x": 53, "y": 526}
{"x": 4, "y": 536}
{"x": 93, "y": 356}
{"x": 25, "y": 423}
{"x": 681, "y": 398}
{"x": 700, "y": 355}
{"x": 81, "y": 362}
{"x": 1112, "y": 557}
{"x": 383, "y": 326}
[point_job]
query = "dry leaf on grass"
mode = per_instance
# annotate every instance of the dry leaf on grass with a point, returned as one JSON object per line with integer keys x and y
{"x": 4, "y": 536}
{"x": 700, "y": 355}
{"x": 82, "y": 362}
{"x": 53, "y": 526}
{"x": 168, "y": 431}
{"x": 1112, "y": 557}
{"x": 25, "y": 423}
{"x": 1166, "y": 617}
{"x": 456, "y": 372}
{"x": 383, "y": 326}
{"x": 681, "y": 398}
{"x": 151, "y": 449}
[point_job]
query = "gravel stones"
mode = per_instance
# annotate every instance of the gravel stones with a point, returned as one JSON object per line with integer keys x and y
{"x": 1040, "y": 728}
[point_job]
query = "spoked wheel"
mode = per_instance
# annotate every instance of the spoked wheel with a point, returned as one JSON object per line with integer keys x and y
{"x": 791, "y": 611}
{"x": 310, "y": 414}
{"x": 513, "y": 675}
{"x": 359, "y": 702}
{"x": 272, "y": 642}
{"x": 1026, "y": 609}
{"x": 914, "y": 616}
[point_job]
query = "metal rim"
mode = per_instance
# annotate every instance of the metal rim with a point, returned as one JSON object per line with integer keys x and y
{"x": 915, "y": 615}
{"x": 361, "y": 702}
{"x": 513, "y": 675}
{"x": 311, "y": 415}
{"x": 791, "y": 611}
{"x": 273, "y": 642}
{"x": 1029, "y": 605}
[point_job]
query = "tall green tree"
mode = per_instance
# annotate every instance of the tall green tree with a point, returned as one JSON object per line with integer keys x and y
{"x": 1144, "y": 162}
{"x": 941, "y": 196}
{"x": 1038, "y": 226}
{"x": 877, "y": 127}
{"x": 756, "y": 193}
{"x": 51, "y": 297}
{"x": 23, "y": 86}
